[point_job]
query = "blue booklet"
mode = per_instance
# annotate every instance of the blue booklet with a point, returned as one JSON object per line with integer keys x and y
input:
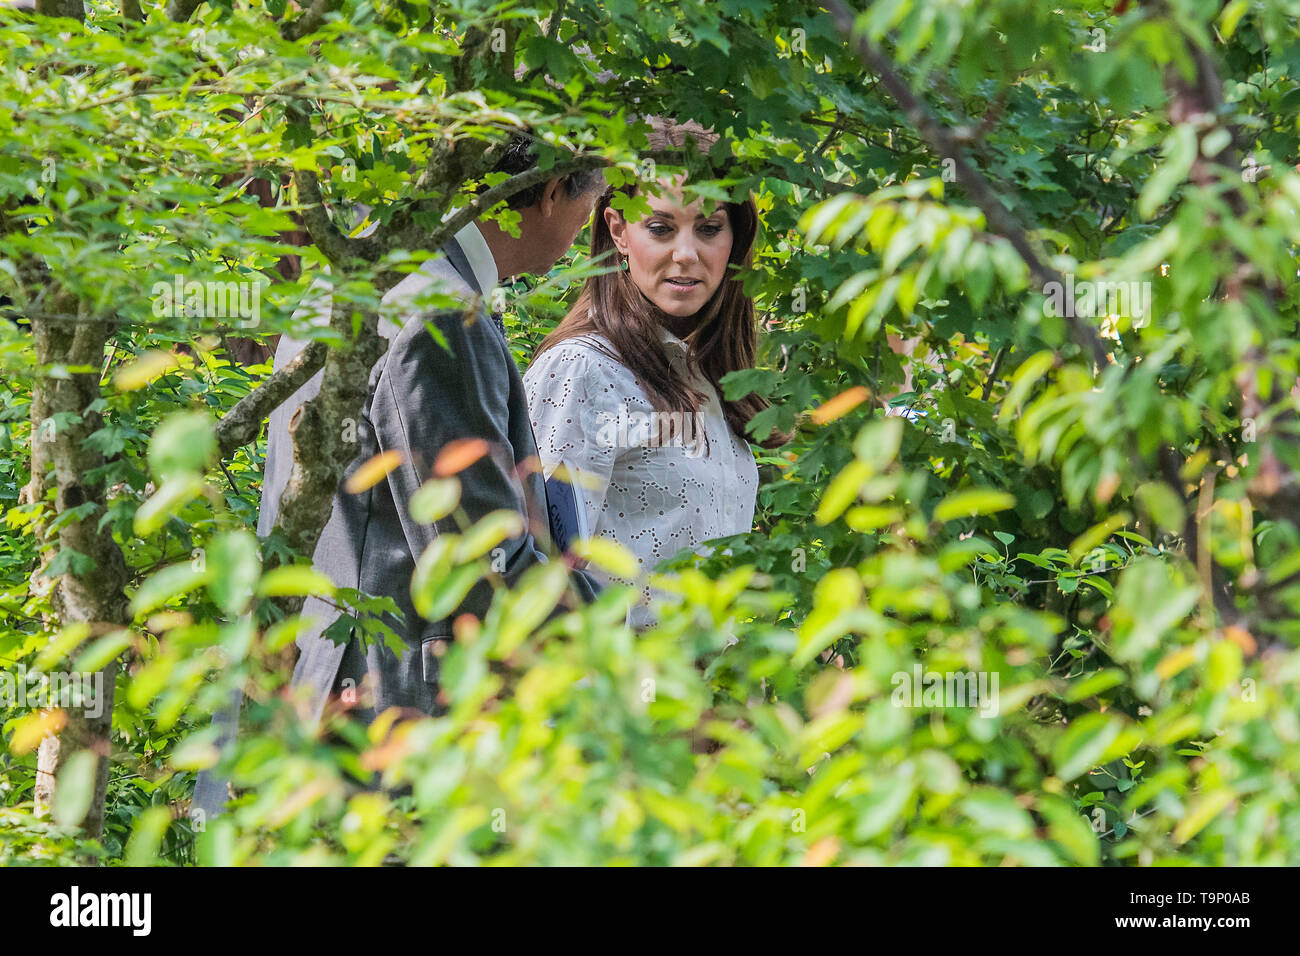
{"x": 567, "y": 510}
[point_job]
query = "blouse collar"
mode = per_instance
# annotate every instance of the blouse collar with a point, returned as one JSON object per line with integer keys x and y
{"x": 667, "y": 338}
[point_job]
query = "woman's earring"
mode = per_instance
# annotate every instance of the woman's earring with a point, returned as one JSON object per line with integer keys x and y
{"x": 625, "y": 262}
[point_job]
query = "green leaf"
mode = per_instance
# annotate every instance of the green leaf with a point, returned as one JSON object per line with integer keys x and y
{"x": 879, "y": 810}
{"x": 75, "y": 789}
{"x": 877, "y": 444}
{"x": 1180, "y": 152}
{"x": 63, "y": 643}
{"x": 237, "y": 637}
{"x": 435, "y": 499}
{"x": 184, "y": 442}
{"x": 488, "y": 532}
{"x": 1162, "y": 504}
{"x": 1149, "y": 600}
{"x": 1094, "y": 684}
{"x": 528, "y": 605}
{"x": 68, "y": 561}
{"x": 234, "y": 566}
{"x": 973, "y": 502}
{"x": 1202, "y": 811}
{"x": 147, "y": 836}
{"x": 996, "y": 811}
{"x": 1083, "y": 743}
{"x": 1026, "y": 376}
{"x": 1087, "y": 542}
{"x": 842, "y": 491}
{"x": 101, "y": 652}
{"x": 294, "y": 580}
{"x": 171, "y": 582}
{"x": 175, "y": 493}
{"x": 1070, "y": 831}
{"x": 438, "y": 585}
{"x": 608, "y": 555}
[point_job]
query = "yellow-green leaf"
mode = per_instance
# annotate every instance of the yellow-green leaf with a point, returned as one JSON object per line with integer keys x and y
{"x": 972, "y": 502}
{"x": 435, "y": 499}
{"x": 1083, "y": 743}
{"x": 294, "y": 580}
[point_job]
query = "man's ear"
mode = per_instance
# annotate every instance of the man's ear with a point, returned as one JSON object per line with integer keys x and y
{"x": 617, "y": 228}
{"x": 550, "y": 196}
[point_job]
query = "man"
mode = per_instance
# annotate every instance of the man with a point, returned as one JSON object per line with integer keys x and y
{"x": 422, "y": 397}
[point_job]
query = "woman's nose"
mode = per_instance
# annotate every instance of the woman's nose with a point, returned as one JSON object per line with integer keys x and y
{"x": 684, "y": 251}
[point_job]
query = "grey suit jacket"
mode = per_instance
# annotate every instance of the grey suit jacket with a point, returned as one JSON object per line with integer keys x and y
{"x": 421, "y": 397}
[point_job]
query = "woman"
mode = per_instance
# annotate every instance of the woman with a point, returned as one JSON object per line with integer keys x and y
{"x": 625, "y": 391}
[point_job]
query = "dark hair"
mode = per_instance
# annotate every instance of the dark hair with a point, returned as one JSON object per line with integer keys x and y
{"x": 726, "y": 337}
{"x": 520, "y": 155}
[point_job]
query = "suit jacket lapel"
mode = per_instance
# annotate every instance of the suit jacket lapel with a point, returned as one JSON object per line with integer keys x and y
{"x": 456, "y": 256}
{"x": 460, "y": 263}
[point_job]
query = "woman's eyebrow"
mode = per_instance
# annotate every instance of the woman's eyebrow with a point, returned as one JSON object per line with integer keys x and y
{"x": 667, "y": 214}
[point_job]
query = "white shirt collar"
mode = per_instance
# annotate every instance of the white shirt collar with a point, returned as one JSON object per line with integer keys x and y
{"x": 470, "y": 239}
{"x": 480, "y": 259}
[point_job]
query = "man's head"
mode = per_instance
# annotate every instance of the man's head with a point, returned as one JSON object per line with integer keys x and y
{"x": 551, "y": 213}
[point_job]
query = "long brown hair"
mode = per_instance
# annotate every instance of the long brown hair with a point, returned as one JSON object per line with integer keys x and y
{"x": 726, "y": 337}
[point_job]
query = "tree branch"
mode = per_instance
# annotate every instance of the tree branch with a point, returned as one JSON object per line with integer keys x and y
{"x": 309, "y": 21}
{"x": 243, "y": 421}
{"x": 241, "y": 424}
{"x": 180, "y": 11}
{"x": 409, "y": 235}
{"x": 339, "y": 249}
{"x": 406, "y": 230}
{"x": 72, "y": 9}
{"x": 320, "y": 454}
{"x": 944, "y": 143}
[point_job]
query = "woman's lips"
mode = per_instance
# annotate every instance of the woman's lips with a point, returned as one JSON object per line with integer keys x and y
{"x": 683, "y": 284}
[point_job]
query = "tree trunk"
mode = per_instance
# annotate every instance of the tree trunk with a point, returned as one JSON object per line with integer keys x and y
{"x": 93, "y": 593}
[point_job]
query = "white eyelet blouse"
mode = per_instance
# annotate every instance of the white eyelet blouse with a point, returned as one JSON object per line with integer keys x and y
{"x": 651, "y": 487}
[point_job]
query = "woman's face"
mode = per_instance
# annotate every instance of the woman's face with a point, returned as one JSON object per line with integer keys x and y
{"x": 676, "y": 256}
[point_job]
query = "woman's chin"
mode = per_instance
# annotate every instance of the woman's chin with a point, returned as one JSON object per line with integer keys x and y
{"x": 677, "y": 308}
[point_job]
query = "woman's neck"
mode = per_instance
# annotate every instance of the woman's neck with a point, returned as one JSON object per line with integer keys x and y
{"x": 681, "y": 326}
